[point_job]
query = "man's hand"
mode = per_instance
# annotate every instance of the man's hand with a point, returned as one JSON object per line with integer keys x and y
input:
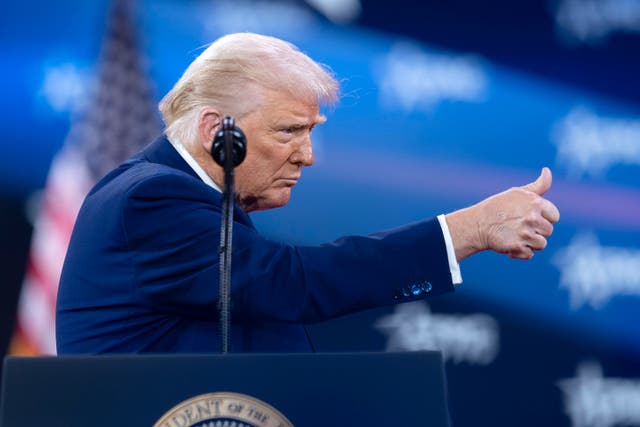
{"x": 516, "y": 222}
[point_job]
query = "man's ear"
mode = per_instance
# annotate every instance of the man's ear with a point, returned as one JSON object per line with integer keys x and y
{"x": 209, "y": 123}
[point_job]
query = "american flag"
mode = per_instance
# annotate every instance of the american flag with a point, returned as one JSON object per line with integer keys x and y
{"x": 119, "y": 119}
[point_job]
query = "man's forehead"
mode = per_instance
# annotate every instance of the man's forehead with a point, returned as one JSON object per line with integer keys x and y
{"x": 297, "y": 117}
{"x": 283, "y": 106}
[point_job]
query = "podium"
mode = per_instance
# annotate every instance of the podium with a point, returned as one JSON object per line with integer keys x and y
{"x": 310, "y": 390}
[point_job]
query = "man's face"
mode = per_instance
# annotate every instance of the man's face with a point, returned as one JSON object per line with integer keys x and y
{"x": 278, "y": 146}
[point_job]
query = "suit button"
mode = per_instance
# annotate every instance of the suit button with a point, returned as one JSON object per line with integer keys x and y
{"x": 416, "y": 290}
{"x": 426, "y": 287}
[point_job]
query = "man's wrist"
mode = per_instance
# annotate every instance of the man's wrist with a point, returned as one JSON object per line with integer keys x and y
{"x": 465, "y": 232}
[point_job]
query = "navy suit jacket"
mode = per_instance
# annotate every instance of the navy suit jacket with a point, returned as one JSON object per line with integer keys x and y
{"x": 141, "y": 273}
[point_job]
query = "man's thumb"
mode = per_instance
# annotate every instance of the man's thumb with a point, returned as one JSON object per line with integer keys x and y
{"x": 542, "y": 184}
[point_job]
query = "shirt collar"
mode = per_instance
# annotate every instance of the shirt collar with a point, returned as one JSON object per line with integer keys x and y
{"x": 194, "y": 165}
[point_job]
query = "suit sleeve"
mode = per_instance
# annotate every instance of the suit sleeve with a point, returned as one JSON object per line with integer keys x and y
{"x": 172, "y": 227}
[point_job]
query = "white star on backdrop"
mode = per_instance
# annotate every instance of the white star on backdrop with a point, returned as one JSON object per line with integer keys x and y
{"x": 594, "y": 274}
{"x": 470, "y": 338}
{"x": 592, "y": 400}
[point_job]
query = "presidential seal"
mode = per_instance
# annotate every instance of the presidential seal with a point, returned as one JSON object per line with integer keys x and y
{"x": 223, "y": 410}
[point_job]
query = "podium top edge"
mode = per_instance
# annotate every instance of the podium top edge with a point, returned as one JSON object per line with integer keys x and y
{"x": 194, "y": 356}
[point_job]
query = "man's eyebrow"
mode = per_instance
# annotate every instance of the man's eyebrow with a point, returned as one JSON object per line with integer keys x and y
{"x": 298, "y": 124}
{"x": 303, "y": 124}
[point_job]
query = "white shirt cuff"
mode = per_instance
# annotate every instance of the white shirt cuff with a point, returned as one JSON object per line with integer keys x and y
{"x": 454, "y": 267}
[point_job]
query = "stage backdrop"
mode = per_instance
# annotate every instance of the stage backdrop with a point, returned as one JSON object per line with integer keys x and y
{"x": 429, "y": 122}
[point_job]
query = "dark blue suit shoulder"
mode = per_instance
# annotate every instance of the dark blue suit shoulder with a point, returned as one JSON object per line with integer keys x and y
{"x": 137, "y": 178}
{"x": 165, "y": 181}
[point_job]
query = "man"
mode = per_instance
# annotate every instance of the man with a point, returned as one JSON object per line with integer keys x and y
{"x": 141, "y": 272}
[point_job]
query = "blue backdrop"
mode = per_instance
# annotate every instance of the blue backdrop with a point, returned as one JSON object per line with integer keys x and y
{"x": 430, "y": 120}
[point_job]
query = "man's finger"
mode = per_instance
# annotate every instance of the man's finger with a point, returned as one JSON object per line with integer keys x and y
{"x": 544, "y": 228}
{"x": 542, "y": 184}
{"x": 524, "y": 253}
{"x": 537, "y": 242}
{"x": 550, "y": 212}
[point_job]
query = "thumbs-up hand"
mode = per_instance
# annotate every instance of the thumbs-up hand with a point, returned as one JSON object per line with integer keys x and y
{"x": 542, "y": 184}
{"x": 515, "y": 222}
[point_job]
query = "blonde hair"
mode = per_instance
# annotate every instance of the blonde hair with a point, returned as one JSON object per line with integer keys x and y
{"x": 227, "y": 73}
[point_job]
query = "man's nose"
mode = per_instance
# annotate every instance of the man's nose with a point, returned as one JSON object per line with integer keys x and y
{"x": 304, "y": 154}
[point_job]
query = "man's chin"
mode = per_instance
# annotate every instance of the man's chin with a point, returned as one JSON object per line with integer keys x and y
{"x": 278, "y": 199}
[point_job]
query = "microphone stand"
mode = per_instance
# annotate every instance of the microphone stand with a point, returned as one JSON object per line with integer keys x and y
{"x": 226, "y": 233}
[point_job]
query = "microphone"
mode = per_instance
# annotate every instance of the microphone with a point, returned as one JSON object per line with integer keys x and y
{"x": 238, "y": 143}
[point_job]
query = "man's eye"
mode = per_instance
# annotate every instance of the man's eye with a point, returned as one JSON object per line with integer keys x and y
{"x": 291, "y": 130}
